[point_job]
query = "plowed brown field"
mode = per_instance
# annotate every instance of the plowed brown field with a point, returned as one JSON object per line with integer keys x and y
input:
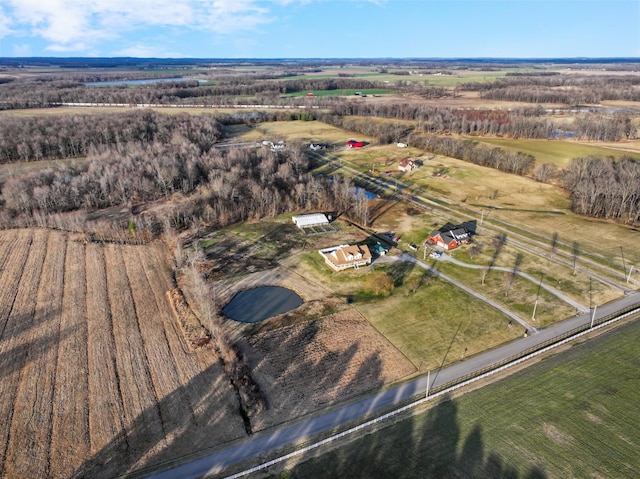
{"x": 95, "y": 376}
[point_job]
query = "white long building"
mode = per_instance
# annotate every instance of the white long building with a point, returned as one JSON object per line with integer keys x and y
{"x": 307, "y": 221}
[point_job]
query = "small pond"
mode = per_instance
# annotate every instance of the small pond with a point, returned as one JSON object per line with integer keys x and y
{"x": 258, "y": 304}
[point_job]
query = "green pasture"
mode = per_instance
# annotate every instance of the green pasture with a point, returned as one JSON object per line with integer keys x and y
{"x": 558, "y": 152}
{"x": 457, "y": 77}
{"x": 571, "y": 415}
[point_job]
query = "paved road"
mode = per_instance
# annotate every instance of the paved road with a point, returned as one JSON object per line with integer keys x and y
{"x": 269, "y": 441}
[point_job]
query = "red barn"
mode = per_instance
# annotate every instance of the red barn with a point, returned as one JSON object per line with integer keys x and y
{"x": 450, "y": 239}
{"x": 354, "y": 144}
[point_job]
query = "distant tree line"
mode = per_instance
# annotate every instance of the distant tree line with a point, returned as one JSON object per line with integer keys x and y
{"x": 471, "y": 151}
{"x": 604, "y": 188}
{"x": 54, "y": 137}
{"x": 570, "y": 89}
{"x": 39, "y": 92}
{"x": 524, "y": 122}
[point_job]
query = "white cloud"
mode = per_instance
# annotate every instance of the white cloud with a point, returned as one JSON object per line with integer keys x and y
{"x": 147, "y": 51}
{"x": 81, "y": 25}
{"x": 4, "y": 24}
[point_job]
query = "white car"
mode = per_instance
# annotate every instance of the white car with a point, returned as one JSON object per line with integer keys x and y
{"x": 435, "y": 254}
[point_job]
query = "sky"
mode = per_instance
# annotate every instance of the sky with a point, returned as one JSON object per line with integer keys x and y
{"x": 320, "y": 28}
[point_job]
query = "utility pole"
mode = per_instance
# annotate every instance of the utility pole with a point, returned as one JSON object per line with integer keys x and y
{"x": 593, "y": 313}
{"x": 428, "y": 384}
{"x": 535, "y": 306}
{"x": 630, "y": 271}
{"x": 624, "y": 265}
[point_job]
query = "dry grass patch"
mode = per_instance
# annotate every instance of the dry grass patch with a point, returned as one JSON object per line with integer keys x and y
{"x": 312, "y": 364}
{"x": 305, "y": 131}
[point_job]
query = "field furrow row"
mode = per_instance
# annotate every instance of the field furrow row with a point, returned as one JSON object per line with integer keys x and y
{"x": 8, "y": 241}
{"x": 70, "y": 433}
{"x": 10, "y": 273}
{"x": 106, "y": 411}
{"x": 29, "y": 436}
{"x": 174, "y": 410}
{"x": 205, "y": 384}
{"x": 142, "y": 417}
{"x": 187, "y": 364}
{"x": 12, "y": 348}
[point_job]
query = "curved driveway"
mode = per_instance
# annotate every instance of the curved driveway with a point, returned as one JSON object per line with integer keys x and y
{"x": 552, "y": 290}
{"x": 515, "y": 317}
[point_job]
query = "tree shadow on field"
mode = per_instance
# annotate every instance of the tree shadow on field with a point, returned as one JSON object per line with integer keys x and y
{"x": 195, "y": 417}
{"x": 400, "y": 271}
{"x": 427, "y": 446}
{"x": 301, "y": 369}
{"x": 18, "y": 356}
{"x": 187, "y": 430}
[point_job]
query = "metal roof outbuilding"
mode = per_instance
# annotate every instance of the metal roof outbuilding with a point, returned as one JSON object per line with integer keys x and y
{"x": 307, "y": 221}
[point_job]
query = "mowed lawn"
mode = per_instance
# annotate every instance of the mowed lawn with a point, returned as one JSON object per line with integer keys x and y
{"x": 574, "y": 414}
{"x": 436, "y": 324}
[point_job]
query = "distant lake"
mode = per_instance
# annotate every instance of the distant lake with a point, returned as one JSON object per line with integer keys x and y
{"x": 137, "y": 82}
{"x": 258, "y": 304}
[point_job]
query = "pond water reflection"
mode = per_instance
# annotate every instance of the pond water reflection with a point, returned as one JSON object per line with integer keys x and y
{"x": 258, "y": 304}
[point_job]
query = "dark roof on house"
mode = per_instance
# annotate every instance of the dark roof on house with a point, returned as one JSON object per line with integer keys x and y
{"x": 448, "y": 236}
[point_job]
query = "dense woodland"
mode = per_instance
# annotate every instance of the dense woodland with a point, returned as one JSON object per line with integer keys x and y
{"x": 524, "y": 123}
{"x": 604, "y": 188}
{"x": 45, "y": 92}
{"x": 36, "y": 138}
{"x": 207, "y": 185}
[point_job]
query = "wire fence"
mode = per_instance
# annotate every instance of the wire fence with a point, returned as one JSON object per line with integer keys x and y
{"x": 458, "y": 383}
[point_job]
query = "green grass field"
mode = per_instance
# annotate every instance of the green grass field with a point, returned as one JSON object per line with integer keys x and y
{"x": 437, "y": 322}
{"x": 573, "y": 415}
{"x": 555, "y": 151}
